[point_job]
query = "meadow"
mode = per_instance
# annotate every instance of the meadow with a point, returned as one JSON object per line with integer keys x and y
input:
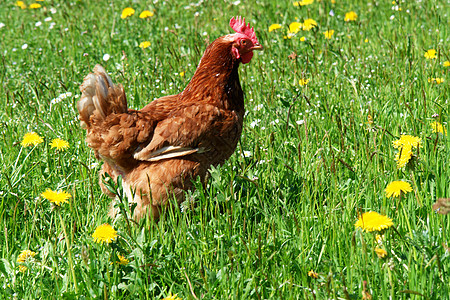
{"x": 329, "y": 195}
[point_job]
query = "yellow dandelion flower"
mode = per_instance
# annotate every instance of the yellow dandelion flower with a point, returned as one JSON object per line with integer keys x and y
{"x": 328, "y": 34}
{"x": 182, "y": 74}
{"x": 31, "y": 138}
{"x": 122, "y": 260}
{"x": 405, "y": 145}
{"x": 35, "y": 5}
{"x": 127, "y": 12}
{"x": 405, "y": 139}
{"x": 146, "y": 14}
{"x": 295, "y": 27}
{"x": 21, "y": 4}
{"x": 446, "y": 63}
{"x": 104, "y": 233}
{"x": 59, "y": 144}
{"x": 366, "y": 40}
{"x": 144, "y": 45}
{"x": 274, "y": 27}
{"x": 430, "y": 54}
{"x": 381, "y": 253}
{"x": 396, "y": 188}
{"x": 373, "y": 221}
{"x": 22, "y": 268}
{"x": 403, "y": 156}
{"x": 350, "y": 16}
{"x": 313, "y": 274}
{"x": 302, "y": 39}
{"x": 438, "y": 80}
{"x": 56, "y": 197}
{"x": 303, "y": 2}
{"x": 172, "y": 297}
{"x": 306, "y": 2}
{"x": 309, "y": 24}
{"x": 25, "y": 255}
{"x": 437, "y": 127}
{"x": 303, "y": 81}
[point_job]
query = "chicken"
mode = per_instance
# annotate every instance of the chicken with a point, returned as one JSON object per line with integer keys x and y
{"x": 159, "y": 150}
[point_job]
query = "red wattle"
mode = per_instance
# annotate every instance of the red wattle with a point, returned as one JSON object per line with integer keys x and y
{"x": 247, "y": 57}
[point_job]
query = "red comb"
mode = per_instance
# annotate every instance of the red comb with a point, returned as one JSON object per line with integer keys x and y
{"x": 239, "y": 26}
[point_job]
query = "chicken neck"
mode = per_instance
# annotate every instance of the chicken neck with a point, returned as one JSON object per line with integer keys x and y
{"x": 216, "y": 80}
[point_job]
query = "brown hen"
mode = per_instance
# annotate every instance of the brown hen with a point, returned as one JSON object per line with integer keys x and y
{"x": 161, "y": 148}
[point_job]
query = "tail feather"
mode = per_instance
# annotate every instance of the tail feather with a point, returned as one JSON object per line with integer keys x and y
{"x": 100, "y": 94}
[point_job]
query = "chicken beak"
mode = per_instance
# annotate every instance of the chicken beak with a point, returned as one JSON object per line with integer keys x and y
{"x": 257, "y": 46}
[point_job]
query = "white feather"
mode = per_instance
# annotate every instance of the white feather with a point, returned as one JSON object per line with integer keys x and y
{"x": 165, "y": 153}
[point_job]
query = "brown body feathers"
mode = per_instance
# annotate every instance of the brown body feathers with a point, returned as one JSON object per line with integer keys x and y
{"x": 161, "y": 148}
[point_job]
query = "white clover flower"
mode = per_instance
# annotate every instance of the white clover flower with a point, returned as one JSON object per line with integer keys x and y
{"x": 255, "y": 123}
{"x": 276, "y": 121}
{"x": 258, "y": 107}
{"x": 106, "y": 57}
{"x": 61, "y": 97}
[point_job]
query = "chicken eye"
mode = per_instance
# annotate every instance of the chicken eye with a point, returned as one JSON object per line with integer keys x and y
{"x": 244, "y": 42}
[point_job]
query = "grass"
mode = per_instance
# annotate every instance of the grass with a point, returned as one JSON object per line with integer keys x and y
{"x": 311, "y": 159}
